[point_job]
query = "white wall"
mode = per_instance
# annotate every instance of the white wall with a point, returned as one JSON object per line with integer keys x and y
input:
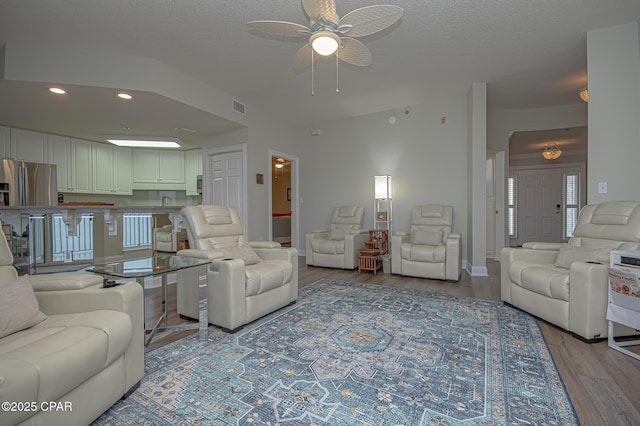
{"x": 263, "y": 133}
{"x": 426, "y": 159}
{"x": 501, "y": 122}
{"x": 613, "y": 56}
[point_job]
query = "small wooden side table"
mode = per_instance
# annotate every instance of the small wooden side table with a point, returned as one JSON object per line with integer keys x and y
{"x": 369, "y": 260}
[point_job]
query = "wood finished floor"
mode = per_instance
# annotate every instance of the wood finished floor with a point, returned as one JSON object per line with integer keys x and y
{"x": 604, "y": 385}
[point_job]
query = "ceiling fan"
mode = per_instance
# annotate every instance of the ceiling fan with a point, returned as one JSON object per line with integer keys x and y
{"x": 328, "y": 33}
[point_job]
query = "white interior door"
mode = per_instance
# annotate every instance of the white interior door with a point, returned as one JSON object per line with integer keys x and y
{"x": 540, "y": 205}
{"x": 224, "y": 181}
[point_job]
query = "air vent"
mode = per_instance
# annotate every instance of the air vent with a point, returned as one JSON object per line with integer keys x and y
{"x": 239, "y": 107}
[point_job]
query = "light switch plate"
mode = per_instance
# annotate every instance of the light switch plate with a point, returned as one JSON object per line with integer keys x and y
{"x": 602, "y": 187}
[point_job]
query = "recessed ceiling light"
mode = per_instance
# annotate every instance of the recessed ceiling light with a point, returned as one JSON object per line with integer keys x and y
{"x": 145, "y": 143}
{"x": 57, "y": 90}
{"x": 125, "y": 96}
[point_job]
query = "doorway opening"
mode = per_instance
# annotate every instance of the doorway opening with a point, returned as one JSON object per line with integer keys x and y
{"x": 283, "y": 200}
{"x": 545, "y": 194}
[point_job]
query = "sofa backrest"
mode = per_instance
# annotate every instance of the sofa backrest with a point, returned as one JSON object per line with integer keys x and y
{"x": 347, "y": 217}
{"x": 8, "y": 273}
{"x": 613, "y": 224}
{"x": 211, "y": 227}
{"x": 432, "y": 217}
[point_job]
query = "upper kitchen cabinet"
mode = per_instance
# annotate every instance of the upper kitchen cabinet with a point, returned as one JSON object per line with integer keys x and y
{"x": 158, "y": 169}
{"x": 5, "y": 142}
{"x": 193, "y": 168}
{"x": 112, "y": 170}
{"x": 73, "y": 160}
{"x": 29, "y": 146}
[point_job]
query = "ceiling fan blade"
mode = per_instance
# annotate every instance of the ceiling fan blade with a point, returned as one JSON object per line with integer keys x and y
{"x": 354, "y": 52}
{"x": 315, "y": 8}
{"x": 370, "y": 19}
{"x": 303, "y": 58}
{"x": 280, "y": 28}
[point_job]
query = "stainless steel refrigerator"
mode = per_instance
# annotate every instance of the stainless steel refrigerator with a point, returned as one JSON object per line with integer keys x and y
{"x": 28, "y": 184}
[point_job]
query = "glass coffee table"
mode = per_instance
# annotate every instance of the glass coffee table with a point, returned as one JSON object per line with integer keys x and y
{"x": 139, "y": 269}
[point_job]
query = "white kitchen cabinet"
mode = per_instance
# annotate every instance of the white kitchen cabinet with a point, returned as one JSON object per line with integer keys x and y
{"x": 60, "y": 155}
{"x": 5, "y": 142}
{"x": 29, "y": 146}
{"x": 192, "y": 168}
{"x": 73, "y": 160}
{"x": 158, "y": 167}
{"x": 112, "y": 170}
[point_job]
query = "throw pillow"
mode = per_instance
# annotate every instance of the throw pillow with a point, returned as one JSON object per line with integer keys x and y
{"x": 429, "y": 238}
{"x": 245, "y": 253}
{"x": 569, "y": 254}
{"x": 19, "y": 308}
{"x": 338, "y": 233}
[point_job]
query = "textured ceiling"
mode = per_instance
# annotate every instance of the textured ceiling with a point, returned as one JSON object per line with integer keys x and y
{"x": 531, "y": 54}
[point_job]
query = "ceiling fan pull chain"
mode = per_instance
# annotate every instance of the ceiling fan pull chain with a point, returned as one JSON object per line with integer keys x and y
{"x": 337, "y": 78}
{"x": 311, "y": 72}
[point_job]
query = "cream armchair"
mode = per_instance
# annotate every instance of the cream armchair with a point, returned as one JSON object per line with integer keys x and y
{"x": 430, "y": 249}
{"x": 165, "y": 238}
{"x": 339, "y": 245}
{"x": 567, "y": 284}
{"x": 245, "y": 280}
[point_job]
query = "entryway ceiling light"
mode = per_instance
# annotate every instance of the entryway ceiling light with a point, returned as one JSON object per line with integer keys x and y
{"x": 552, "y": 152}
{"x": 584, "y": 94}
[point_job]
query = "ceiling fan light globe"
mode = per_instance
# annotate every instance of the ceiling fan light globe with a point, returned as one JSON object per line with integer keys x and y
{"x": 325, "y": 43}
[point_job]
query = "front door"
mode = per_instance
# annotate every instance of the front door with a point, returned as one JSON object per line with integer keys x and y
{"x": 540, "y": 205}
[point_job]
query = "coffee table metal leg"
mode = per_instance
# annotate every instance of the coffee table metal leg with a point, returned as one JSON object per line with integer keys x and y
{"x": 163, "y": 316}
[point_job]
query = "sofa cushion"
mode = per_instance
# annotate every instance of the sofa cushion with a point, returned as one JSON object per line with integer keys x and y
{"x": 48, "y": 360}
{"x": 337, "y": 233}
{"x": 569, "y": 254}
{"x": 267, "y": 275}
{"x": 19, "y": 307}
{"x": 246, "y": 253}
{"x": 426, "y": 237}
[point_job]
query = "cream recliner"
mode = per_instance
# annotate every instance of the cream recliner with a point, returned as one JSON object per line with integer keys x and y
{"x": 85, "y": 355}
{"x": 430, "y": 249}
{"x": 567, "y": 284}
{"x": 338, "y": 246}
{"x": 245, "y": 280}
{"x": 165, "y": 238}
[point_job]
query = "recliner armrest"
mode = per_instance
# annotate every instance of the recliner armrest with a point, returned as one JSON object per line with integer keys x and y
{"x": 289, "y": 254}
{"x": 542, "y": 246}
{"x": 125, "y": 298}
{"x": 201, "y": 254}
{"x": 64, "y": 281}
{"x": 264, "y": 244}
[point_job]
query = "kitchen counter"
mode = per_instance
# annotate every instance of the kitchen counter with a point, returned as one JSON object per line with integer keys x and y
{"x": 72, "y": 212}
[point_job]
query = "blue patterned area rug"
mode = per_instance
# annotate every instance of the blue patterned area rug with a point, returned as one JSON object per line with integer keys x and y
{"x": 357, "y": 354}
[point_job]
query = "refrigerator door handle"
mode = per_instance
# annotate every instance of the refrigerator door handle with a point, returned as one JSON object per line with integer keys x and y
{"x": 23, "y": 188}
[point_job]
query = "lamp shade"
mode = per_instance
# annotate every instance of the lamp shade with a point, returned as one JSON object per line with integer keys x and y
{"x": 383, "y": 186}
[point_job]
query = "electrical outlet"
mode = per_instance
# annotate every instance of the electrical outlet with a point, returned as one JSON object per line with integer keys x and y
{"x": 443, "y": 120}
